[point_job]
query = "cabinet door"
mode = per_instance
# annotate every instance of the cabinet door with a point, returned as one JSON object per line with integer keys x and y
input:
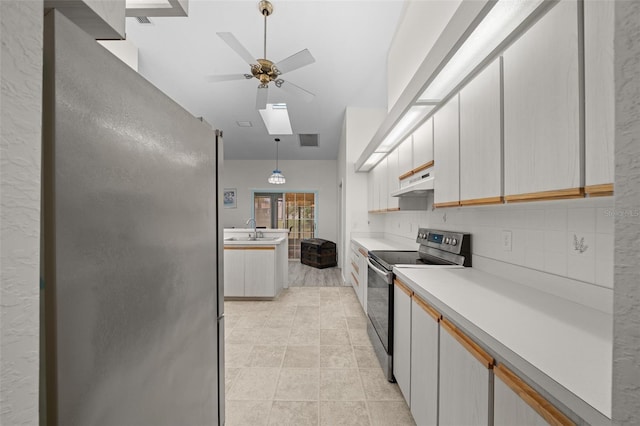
{"x": 465, "y": 381}
{"x": 402, "y": 338}
{"x": 510, "y": 407}
{"x": 405, "y": 156}
{"x": 425, "y": 332}
{"x": 380, "y": 188}
{"x": 393, "y": 183}
{"x": 233, "y": 272}
{"x": 364, "y": 274}
{"x": 446, "y": 144}
{"x": 599, "y": 96}
{"x": 259, "y": 272}
{"x": 423, "y": 145}
{"x": 370, "y": 189}
{"x": 481, "y": 139}
{"x": 542, "y": 109}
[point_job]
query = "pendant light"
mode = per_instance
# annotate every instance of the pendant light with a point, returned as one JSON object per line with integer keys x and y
{"x": 277, "y": 178}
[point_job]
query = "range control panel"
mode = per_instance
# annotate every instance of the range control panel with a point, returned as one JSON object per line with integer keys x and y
{"x": 453, "y": 242}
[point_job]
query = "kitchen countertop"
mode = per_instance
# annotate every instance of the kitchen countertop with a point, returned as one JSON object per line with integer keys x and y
{"x": 559, "y": 344}
{"x": 229, "y": 242}
{"x": 372, "y": 243}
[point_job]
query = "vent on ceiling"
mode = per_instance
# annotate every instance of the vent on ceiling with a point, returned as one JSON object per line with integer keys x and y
{"x": 308, "y": 139}
{"x": 143, "y": 20}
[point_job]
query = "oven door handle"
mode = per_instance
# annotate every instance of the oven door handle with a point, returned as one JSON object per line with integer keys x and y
{"x": 385, "y": 274}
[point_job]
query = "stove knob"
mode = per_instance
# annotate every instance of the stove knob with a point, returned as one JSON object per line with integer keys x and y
{"x": 446, "y": 240}
{"x": 454, "y": 241}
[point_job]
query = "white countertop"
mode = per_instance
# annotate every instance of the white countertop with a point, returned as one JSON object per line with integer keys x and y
{"x": 569, "y": 342}
{"x": 372, "y": 243}
{"x": 258, "y": 242}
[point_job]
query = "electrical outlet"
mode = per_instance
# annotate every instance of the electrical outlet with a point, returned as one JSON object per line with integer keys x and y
{"x": 506, "y": 240}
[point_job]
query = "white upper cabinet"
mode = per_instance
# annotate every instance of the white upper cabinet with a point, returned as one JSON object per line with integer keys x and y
{"x": 481, "y": 139}
{"x": 405, "y": 156}
{"x": 446, "y": 146}
{"x": 599, "y": 96}
{"x": 423, "y": 145}
{"x": 542, "y": 109}
{"x": 393, "y": 203}
{"x": 378, "y": 186}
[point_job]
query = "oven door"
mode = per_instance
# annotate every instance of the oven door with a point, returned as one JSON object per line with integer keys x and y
{"x": 380, "y": 302}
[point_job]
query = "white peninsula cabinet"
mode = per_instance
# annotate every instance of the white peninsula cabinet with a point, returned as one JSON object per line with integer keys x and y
{"x": 542, "y": 109}
{"x": 516, "y": 403}
{"x": 481, "y": 139}
{"x": 599, "y": 97}
{"x": 446, "y": 153}
{"x": 425, "y": 332}
{"x": 250, "y": 271}
{"x": 466, "y": 379}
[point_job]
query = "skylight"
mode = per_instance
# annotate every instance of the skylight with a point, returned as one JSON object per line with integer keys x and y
{"x": 276, "y": 119}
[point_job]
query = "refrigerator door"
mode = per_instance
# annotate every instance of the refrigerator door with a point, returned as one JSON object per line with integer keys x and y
{"x": 130, "y": 234}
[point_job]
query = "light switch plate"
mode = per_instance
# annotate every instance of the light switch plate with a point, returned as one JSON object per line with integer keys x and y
{"x": 506, "y": 240}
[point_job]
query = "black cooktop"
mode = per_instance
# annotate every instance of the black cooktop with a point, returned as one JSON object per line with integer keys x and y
{"x": 389, "y": 258}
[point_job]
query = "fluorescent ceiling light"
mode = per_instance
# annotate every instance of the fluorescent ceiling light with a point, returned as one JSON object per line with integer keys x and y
{"x": 244, "y": 124}
{"x": 401, "y": 130}
{"x": 147, "y": 4}
{"x": 276, "y": 119}
{"x": 372, "y": 161}
{"x": 501, "y": 20}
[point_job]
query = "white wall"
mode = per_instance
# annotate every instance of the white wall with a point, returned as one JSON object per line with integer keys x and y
{"x": 359, "y": 126}
{"x": 302, "y": 175}
{"x": 626, "y": 324}
{"x": 21, "y": 26}
{"x": 419, "y": 28}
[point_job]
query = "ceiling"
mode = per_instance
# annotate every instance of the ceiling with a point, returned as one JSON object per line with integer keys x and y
{"x": 348, "y": 38}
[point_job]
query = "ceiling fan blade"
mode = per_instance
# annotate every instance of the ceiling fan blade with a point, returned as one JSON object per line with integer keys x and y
{"x": 295, "y": 61}
{"x": 297, "y": 90}
{"x": 261, "y": 97}
{"x": 226, "y": 77}
{"x": 233, "y": 43}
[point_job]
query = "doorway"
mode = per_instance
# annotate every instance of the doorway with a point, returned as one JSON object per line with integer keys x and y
{"x": 295, "y": 211}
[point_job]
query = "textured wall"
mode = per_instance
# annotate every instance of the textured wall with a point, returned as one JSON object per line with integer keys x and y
{"x": 21, "y": 88}
{"x": 626, "y": 344}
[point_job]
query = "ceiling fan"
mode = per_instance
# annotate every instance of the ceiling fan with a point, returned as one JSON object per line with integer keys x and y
{"x": 263, "y": 69}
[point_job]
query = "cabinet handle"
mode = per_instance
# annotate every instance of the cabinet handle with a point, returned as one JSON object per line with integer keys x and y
{"x": 355, "y": 267}
{"x": 402, "y": 286}
{"x": 363, "y": 252}
{"x": 427, "y": 308}
{"x": 543, "y": 407}
{"x": 355, "y": 279}
{"x": 470, "y": 345}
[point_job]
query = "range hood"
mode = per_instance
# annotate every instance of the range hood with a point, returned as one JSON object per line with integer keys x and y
{"x": 417, "y": 187}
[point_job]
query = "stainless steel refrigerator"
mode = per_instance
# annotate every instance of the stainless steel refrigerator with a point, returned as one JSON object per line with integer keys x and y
{"x": 132, "y": 245}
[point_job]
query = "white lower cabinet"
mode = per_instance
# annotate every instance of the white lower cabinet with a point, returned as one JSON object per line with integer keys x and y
{"x": 516, "y": 403}
{"x": 249, "y": 272}
{"x": 425, "y": 331}
{"x": 358, "y": 273}
{"x": 466, "y": 380}
{"x": 402, "y": 338}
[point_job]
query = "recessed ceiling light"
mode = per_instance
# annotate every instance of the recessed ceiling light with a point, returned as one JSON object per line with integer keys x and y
{"x": 244, "y": 124}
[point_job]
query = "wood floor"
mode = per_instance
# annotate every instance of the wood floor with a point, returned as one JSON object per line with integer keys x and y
{"x": 301, "y": 275}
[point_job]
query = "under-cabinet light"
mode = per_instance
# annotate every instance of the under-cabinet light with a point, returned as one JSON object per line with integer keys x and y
{"x": 501, "y": 21}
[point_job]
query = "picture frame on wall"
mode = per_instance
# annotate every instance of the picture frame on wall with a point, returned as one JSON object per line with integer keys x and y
{"x": 230, "y": 196}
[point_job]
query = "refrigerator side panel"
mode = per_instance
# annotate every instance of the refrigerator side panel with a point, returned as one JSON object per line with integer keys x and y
{"x": 133, "y": 296}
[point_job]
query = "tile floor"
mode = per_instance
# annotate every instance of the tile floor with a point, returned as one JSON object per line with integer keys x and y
{"x": 305, "y": 359}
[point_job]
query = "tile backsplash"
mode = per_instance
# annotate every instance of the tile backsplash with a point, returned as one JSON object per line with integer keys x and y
{"x": 567, "y": 238}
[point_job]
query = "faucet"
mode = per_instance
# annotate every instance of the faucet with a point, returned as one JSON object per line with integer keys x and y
{"x": 255, "y": 230}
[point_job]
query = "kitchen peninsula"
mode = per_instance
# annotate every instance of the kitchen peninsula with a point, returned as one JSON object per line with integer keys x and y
{"x": 255, "y": 267}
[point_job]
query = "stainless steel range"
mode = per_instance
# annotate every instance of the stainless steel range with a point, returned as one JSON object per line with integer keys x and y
{"x": 438, "y": 249}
